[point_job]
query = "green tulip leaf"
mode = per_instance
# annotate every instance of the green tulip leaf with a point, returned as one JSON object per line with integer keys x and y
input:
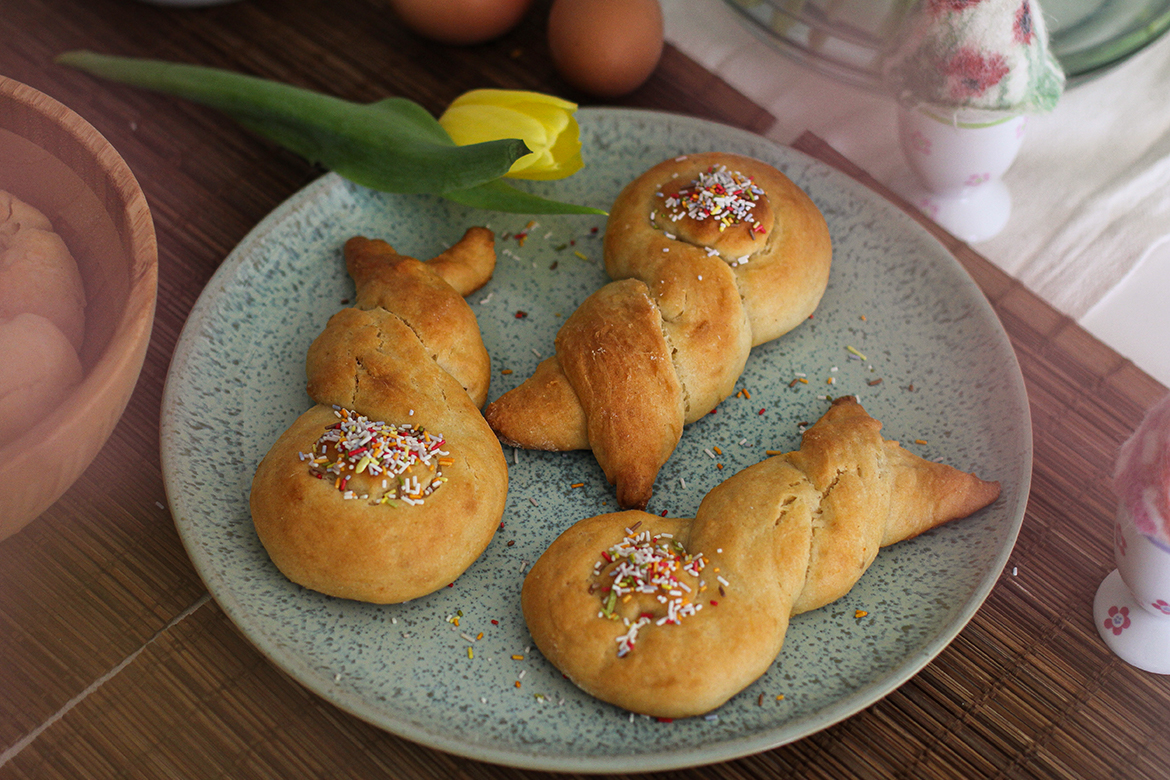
{"x": 392, "y": 145}
{"x": 500, "y": 196}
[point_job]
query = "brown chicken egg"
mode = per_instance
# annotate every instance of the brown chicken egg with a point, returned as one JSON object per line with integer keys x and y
{"x": 605, "y": 47}
{"x": 460, "y": 22}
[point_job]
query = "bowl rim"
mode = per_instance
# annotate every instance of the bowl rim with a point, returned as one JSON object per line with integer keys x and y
{"x": 105, "y": 390}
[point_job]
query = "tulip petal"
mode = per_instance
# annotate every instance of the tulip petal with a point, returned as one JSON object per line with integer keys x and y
{"x": 561, "y": 159}
{"x": 476, "y": 124}
{"x": 545, "y": 123}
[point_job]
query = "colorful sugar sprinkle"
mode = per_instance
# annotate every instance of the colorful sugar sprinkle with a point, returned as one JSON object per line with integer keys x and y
{"x": 650, "y": 564}
{"x": 396, "y": 453}
{"x": 728, "y": 197}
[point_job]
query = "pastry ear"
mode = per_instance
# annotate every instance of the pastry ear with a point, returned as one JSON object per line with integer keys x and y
{"x": 466, "y": 266}
{"x": 923, "y": 494}
{"x": 928, "y": 494}
{"x": 434, "y": 310}
{"x": 543, "y": 413}
{"x": 469, "y": 263}
{"x": 611, "y": 387}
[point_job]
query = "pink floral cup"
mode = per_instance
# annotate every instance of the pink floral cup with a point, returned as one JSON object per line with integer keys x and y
{"x": 1132, "y": 606}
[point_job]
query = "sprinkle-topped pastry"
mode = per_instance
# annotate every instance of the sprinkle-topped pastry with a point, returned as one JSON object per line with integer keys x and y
{"x": 389, "y": 455}
{"x": 653, "y": 565}
{"x": 724, "y": 196}
{"x": 711, "y": 254}
{"x": 791, "y": 533}
{"x": 347, "y": 501}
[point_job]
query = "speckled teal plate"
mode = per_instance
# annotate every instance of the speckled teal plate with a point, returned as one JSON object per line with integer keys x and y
{"x": 948, "y": 380}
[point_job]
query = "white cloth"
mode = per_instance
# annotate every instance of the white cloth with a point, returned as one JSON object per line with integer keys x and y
{"x": 1090, "y": 187}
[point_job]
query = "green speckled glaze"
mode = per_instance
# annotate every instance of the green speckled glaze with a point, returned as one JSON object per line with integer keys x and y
{"x": 895, "y": 295}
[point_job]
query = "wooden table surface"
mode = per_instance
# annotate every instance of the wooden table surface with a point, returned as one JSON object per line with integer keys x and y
{"x": 114, "y": 662}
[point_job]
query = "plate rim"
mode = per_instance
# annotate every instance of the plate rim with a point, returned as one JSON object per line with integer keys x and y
{"x": 659, "y": 760}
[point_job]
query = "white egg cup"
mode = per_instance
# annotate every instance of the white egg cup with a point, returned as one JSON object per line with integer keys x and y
{"x": 958, "y": 158}
{"x": 1132, "y": 606}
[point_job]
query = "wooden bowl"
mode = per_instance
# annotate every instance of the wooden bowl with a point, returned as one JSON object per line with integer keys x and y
{"x": 57, "y": 162}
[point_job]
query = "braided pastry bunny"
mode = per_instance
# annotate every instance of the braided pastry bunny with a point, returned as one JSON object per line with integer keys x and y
{"x": 671, "y": 617}
{"x": 393, "y": 484}
{"x": 711, "y": 254}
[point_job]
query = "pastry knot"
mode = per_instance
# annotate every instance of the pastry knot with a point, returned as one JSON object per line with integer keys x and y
{"x": 710, "y": 255}
{"x": 670, "y": 617}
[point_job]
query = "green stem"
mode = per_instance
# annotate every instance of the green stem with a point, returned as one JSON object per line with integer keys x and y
{"x": 501, "y": 196}
{"x": 393, "y": 145}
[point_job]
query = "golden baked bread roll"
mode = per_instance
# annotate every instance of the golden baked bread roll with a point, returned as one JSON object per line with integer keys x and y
{"x": 37, "y": 273}
{"x": 711, "y": 254}
{"x": 38, "y": 368}
{"x": 393, "y": 484}
{"x": 670, "y": 617}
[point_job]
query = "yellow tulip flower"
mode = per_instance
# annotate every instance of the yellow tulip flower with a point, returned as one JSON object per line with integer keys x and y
{"x": 545, "y": 123}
